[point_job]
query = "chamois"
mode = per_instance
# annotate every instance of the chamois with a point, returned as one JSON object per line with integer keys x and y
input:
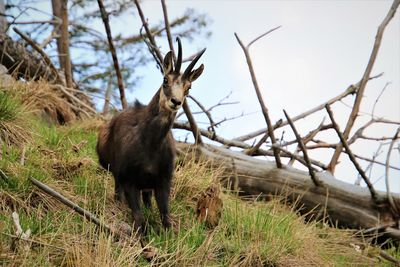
{"x": 137, "y": 144}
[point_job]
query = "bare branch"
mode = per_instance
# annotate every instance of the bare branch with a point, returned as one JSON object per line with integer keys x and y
{"x": 301, "y": 159}
{"x": 240, "y": 144}
{"x": 310, "y": 136}
{"x": 395, "y": 209}
{"x": 193, "y": 124}
{"x": 364, "y": 81}
{"x": 351, "y": 156}
{"x": 205, "y": 111}
{"x": 168, "y": 29}
{"x": 106, "y": 23}
{"x": 55, "y": 21}
{"x": 157, "y": 52}
{"x": 350, "y": 90}
{"x": 377, "y": 99}
{"x": 262, "y": 35}
{"x": 221, "y": 102}
{"x": 314, "y": 178}
{"x": 260, "y": 100}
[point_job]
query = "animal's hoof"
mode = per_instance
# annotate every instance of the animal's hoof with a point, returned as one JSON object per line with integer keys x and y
{"x": 167, "y": 221}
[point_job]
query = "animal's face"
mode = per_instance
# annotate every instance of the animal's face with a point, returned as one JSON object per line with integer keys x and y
{"x": 176, "y": 85}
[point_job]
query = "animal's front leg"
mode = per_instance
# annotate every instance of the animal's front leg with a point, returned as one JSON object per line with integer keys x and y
{"x": 132, "y": 195}
{"x": 162, "y": 199}
{"x": 117, "y": 191}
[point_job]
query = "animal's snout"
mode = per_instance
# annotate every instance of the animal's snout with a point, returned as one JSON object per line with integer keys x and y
{"x": 176, "y": 102}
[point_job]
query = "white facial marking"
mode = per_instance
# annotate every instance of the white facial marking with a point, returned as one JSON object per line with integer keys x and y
{"x": 177, "y": 92}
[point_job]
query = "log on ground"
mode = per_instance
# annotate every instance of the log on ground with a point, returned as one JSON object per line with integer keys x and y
{"x": 341, "y": 203}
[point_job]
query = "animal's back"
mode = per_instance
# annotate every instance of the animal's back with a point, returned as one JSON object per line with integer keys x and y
{"x": 110, "y": 134}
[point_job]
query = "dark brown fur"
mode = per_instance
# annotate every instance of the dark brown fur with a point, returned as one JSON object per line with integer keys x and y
{"x": 137, "y": 145}
{"x": 138, "y": 148}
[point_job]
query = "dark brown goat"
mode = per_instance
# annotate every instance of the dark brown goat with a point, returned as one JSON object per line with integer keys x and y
{"x": 137, "y": 145}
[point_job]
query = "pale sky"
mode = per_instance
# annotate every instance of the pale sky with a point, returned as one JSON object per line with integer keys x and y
{"x": 322, "y": 48}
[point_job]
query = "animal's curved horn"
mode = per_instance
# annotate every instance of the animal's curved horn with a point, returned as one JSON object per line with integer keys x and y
{"x": 178, "y": 62}
{"x": 191, "y": 65}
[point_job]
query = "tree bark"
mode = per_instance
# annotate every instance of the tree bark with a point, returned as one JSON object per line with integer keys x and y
{"x": 60, "y": 10}
{"x": 339, "y": 203}
{"x": 56, "y": 6}
{"x": 3, "y": 18}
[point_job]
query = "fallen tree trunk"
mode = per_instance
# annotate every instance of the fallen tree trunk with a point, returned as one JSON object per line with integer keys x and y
{"x": 23, "y": 63}
{"x": 342, "y": 204}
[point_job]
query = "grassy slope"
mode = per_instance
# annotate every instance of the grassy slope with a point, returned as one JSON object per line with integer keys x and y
{"x": 249, "y": 233}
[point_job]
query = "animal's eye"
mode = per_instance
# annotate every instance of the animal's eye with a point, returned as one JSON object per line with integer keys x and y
{"x": 165, "y": 80}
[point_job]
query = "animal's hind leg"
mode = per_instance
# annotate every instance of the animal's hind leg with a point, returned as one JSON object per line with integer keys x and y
{"x": 162, "y": 199}
{"x": 132, "y": 195}
{"x": 146, "y": 196}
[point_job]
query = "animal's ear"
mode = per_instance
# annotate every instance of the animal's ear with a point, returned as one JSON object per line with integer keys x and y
{"x": 168, "y": 63}
{"x": 196, "y": 73}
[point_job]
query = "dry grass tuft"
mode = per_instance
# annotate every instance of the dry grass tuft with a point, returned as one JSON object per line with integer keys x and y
{"x": 41, "y": 97}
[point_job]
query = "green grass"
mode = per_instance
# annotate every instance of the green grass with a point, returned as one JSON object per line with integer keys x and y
{"x": 13, "y": 127}
{"x": 250, "y": 233}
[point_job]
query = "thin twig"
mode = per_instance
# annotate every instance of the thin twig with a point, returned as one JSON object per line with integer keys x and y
{"x": 104, "y": 16}
{"x": 377, "y": 99}
{"x": 389, "y": 195}
{"x": 261, "y": 101}
{"x": 364, "y": 81}
{"x": 351, "y": 156}
{"x": 262, "y": 35}
{"x": 314, "y": 178}
{"x": 205, "y": 111}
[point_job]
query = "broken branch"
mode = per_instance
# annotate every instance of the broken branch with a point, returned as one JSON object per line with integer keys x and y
{"x": 314, "y": 178}
{"x": 351, "y": 156}
{"x": 260, "y": 99}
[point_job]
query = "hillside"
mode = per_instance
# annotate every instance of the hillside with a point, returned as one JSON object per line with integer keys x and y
{"x": 249, "y": 233}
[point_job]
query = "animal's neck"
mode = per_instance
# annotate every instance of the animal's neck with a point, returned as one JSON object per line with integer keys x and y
{"x": 159, "y": 120}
